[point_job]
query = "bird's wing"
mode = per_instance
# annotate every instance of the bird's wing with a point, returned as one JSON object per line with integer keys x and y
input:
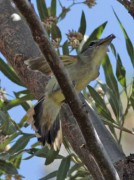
{"x": 40, "y": 64}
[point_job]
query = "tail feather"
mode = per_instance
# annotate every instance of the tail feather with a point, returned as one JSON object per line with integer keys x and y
{"x": 50, "y": 130}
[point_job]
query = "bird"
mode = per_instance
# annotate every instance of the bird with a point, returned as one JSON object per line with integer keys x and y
{"x": 82, "y": 69}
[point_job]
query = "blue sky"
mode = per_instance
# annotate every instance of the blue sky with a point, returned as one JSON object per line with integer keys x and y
{"x": 34, "y": 169}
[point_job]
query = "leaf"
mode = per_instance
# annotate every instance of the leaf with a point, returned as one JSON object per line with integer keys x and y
{"x": 109, "y": 76}
{"x": 74, "y": 168}
{"x": 49, "y": 176}
{"x": 101, "y": 106}
{"x": 51, "y": 156}
{"x": 18, "y": 101}
{"x": 17, "y": 161}
{"x": 7, "y": 167}
{"x": 8, "y": 140}
{"x": 42, "y": 8}
{"x": 65, "y": 48}
{"x": 41, "y": 153}
{"x": 20, "y": 143}
{"x": 113, "y": 49}
{"x": 9, "y": 73}
{"x": 7, "y": 126}
{"x": 129, "y": 45}
{"x": 26, "y": 104}
{"x": 64, "y": 167}
{"x": 113, "y": 100}
{"x": 120, "y": 72}
{"x": 63, "y": 13}
{"x": 95, "y": 34}
{"x": 53, "y": 8}
{"x": 56, "y": 33}
{"x": 132, "y": 95}
{"x": 82, "y": 28}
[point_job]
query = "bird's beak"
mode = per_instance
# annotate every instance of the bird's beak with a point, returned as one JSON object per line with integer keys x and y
{"x": 108, "y": 39}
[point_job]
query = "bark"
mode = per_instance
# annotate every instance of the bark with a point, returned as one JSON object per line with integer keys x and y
{"x": 17, "y": 45}
{"x": 129, "y": 5}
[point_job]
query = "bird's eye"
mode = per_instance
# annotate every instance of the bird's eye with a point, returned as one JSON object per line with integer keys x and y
{"x": 92, "y": 43}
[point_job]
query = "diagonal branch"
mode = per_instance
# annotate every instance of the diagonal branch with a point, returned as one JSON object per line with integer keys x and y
{"x": 129, "y": 5}
{"x": 92, "y": 140}
{"x": 17, "y": 45}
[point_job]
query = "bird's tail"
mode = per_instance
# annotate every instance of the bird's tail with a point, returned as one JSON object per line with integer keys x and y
{"x": 48, "y": 129}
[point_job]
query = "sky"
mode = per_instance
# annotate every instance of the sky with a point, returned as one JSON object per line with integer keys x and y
{"x": 34, "y": 169}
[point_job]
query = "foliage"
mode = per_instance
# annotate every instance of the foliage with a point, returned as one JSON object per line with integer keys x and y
{"x": 106, "y": 99}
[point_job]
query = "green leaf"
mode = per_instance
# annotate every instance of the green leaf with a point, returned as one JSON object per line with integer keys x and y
{"x": 63, "y": 13}
{"x": 82, "y": 28}
{"x": 41, "y": 153}
{"x": 8, "y": 140}
{"x": 7, "y": 126}
{"x": 65, "y": 48}
{"x": 113, "y": 49}
{"x": 17, "y": 161}
{"x": 129, "y": 45}
{"x": 18, "y": 101}
{"x": 50, "y": 176}
{"x": 74, "y": 168}
{"x": 53, "y": 8}
{"x": 42, "y": 8}
{"x": 101, "y": 106}
{"x": 7, "y": 167}
{"x": 95, "y": 34}
{"x": 120, "y": 72}
{"x": 109, "y": 76}
{"x": 132, "y": 95}
{"x": 20, "y": 143}
{"x": 26, "y": 104}
{"x": 51, "y": 156}
{"x": 64, "y": 167}
{"x": 9, "y": 73}
{"x": 114, "y": 102}
{"x": 56, "y": 33}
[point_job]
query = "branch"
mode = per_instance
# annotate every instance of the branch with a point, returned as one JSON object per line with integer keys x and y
{"x": 16, "y": 41}
{"x": 129, "y": 5}
{"x": 92, "y": 140}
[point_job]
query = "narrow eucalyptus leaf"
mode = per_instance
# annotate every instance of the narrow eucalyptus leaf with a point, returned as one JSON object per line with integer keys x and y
{"x": 56, "y": 33}
{"x": 113, "y": 101}
{"x": 101, "y": 107}
{"x": 42, "y": 9}
{"x": 129, "y": 44}
{"x": 9, "y": 72}
{"x": 65, "y": 48}
{"x": 7, "y": 127}
{"x": 7, "y": 167}
{"x": 49, "y": 176}
{"x": 109, "y": 76}
{"x": 64, "y": 167}
{"x": 120, "y": 72}
{"x": 82, "y": 28}
{"x": 95, "y": 34}
{"x": 132, "y": 95}
{"x": 53, "y": 8}
{"x": 113, "y": 49}
{"x": 20, "y": 143}
{"x": 51, "y": 156}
